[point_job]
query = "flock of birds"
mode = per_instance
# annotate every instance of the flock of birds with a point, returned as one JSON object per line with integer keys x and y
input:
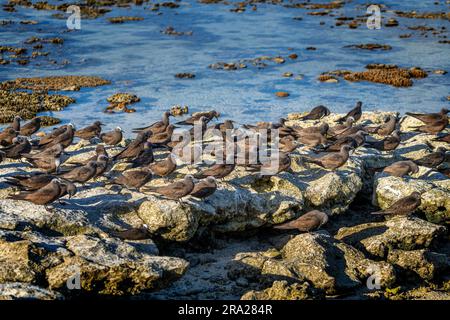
{"x": 331, "y": 145}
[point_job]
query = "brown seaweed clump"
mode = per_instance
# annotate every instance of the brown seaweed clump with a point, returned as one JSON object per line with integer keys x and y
{"x": 56, "y": 83}
{"x": 382, "y": 73}
{"x": 27, "y": 105}
{"x": 123, "y": 19}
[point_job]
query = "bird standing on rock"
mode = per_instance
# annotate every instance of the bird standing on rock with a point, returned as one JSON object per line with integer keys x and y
{"x": 15, "y": 125}
{"x": 387, "y": 144}
{"x": 157, "y": 127}
{"x": 176, "y": 190}
{"x": 7, "y": 136}
{"x": 20, "y": 146}
{"x": 112, "y": 138}
{"x": 164, "y": 167}
{"x": 434, "y": 127}
{"x": 332, "y": 161}
{"x": 31, "y": 127}
{"x": 401, "y": 168}
{"x": 65, "y": 137}
{"x": 43, "y": 196}
{"x": 430, "y": 118}
{"x": 145, "y": 157}
{"x": 30, "y": 182}
{"x": 218, "y": 171}
{"x": 135, "y": 147}
{"x": 310, "y": 221}
{"x": 385, "y": 129}
{"x": 133, "y": 179}
{"x": 209, "y": 115}
{"x": 433, "y": 159}
{"x": 403, "y": 206}
{"x": 317, "y": 113}
{"x": 90, "y": 132}
{"x": 355, "y": 113}
{"x": 81, "y": 174}
{"x": 204, "y": 188}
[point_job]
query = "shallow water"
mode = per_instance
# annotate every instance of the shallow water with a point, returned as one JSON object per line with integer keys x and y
{"x": 139, "y": 59}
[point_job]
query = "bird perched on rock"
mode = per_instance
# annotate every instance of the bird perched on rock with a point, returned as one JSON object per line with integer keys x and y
{"x": 429, "y": 118}
{"x": 317, "y": 113}
{"x": 90, "y": 132}
{"x": 204, "y": 188}
{"x": 30, "y": 182}
{"x": 356, "y": 140}
{"x": 384, "y": 129}
{"x": 31, "y": 127}
{"x": 15, "y": 125}
{"x": 145, "y": 157}
{"x": 403, "y": 206}
{"x": 157, "y": 127}
{"x": 135, "y": 147}
{"x": 387, "y": 144}
{"x": 7, "y": 136}
{"x": 65, "y": 137}
{"x": 49, "y": 137}
{"x": 176, "y": 190}
{"x": 67, "y": 188}
{"x": 209, "y": 115}
{"x": 310, "y": 221}
{"x": 164, "y": 167}
{"x": 43, "y": 196}
{"x": 133, "y": 179}
{"x": 288, "y": 144}
{"x": 355, "y": 113}
{"x": 312, "y": 139}
{"x": 433, "y": 159}
{"x": 443, "y": 138}
{"x": 341, "y": 128}
{"x": 218, "y": 171}
{"x": 332, "y": 160}
{"x": 112, "y": 138}
{"x": 81, "y": 174}
{"x": 162, "y": 138}
{"x": 20, "y": 146}
{"x": 49, "y": 164}
{"x": 401, "y": 168}
{"x": 274, "y": 166}
{"x": 141, "y": 233}
{"x": 322, "y": 129}
{"x": 433, "y": 127}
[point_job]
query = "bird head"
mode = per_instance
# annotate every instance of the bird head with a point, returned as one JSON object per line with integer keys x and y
{"x": 119, "y": 129}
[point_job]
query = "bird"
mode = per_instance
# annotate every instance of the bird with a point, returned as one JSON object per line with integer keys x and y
{"x": 102, "y": 165}
{"x": 112, "y": 138}
{"x": 384, "y": 129}
{"x": 332, "y": 160}
{"x": 20, "y": 146}
{"x": 2, "y": 156}
{"x": 354, "y": 141}
{"x": 341, "y": 128}
{"x": 387, "y": 144}
{"x": 163, "y": 137}
{"x": 209, "y": 115}
{"x": 164, "y": 167}
{"x": 218, "y": 171}
{"x": 283, "y": 163}
{"x": 176, "y": 190}
{"x": 443, "y": 138}
{"x": 204, "y": 188}
{"x": 322, "y": 129}
{"x": 15, "y": 125}
{"x": 67, "y": 188}
{"x": 49, "y": 164}
{"x": 145, "y": 157}
{"x": 49, "y": 137}
{"x": 80, "y": 174}
{"x": 90, "y": 132}
{"x": 317, "y": 113}
{"x": 56, "y": 150}
{"x": 133, "y": 179}
{"x": 157, "y": 127}
{"x": 433, "y": 159}
{"x": 134, "y": 148}
{"x": 30, "y": 182}
{"x": 140, "y": 233}
{"x": 429, "y": 118}
{"x": 401, "y": 168}
{"x": 223, "y": 126}
{"x": 310, "y": 221}
{"x": 43, "y": 196}
{"x": 433, "y": 127}
{"x": 312, "y": 139}
{"x": 403, "y": 206}
{"x": 288, "y": 144}
{"x": 31, "y": 127}
{"x": 355, "y": 113}
{"x": 65, "y": 138}
{"x": 7, "y": 136}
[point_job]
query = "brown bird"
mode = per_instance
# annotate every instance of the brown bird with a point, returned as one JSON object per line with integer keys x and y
{"x": 310, "y": 221}
{"x": 332, "y": 160}
{"x": 7, "y": 136}
{"x": 157, "y": 127}
{"x": 135, "y": 147}
{"x": 348, "y": 132}
{"x": 322, "y": 129}
{"x": 133, "y": 179}
{"x": 15, "y": 125}
{"x": 67, "y": 188}
{"x": 218, "y": 171}
{"x": 30, "y": 182}
{"x": 403, "y": 206}
{"x": 288, "y": 144}
{"x": 433, "y": 127}
{"x": 312, "y": 139}
{"x": 429, "y": 118}
{"x": 164, "y": 167}
{"x": 20, "y": 146}
{"x": 355, "y": 113}
{"x": 56, "y": 150}
{"x": 401, "y": 168}
{"x": 112, "y": 138}
{"x": 195, "y": 117}
{"x": 223, "y": 126}
{"x": 204, "y": 188}
{"x": 353, "y": 141}
{"x": 49, "y": 137}
{"x": 31, "y": 127}
{"x": 443, "y": 138}
{"x": 140, "y": 233}
{"x": 163, "y": 137}
{"x": 43, "y": 196}
{"x": 81, "y": 174}
{"x": 268, "y": 167}
{"x": 102, "y": 165}
{"x": 341, "y": 128}
{"x": 176, "y": 190}
{"x": 317, "y": 113}
{"x": 145, "y": 157}
{"x": 65, "y": 138}
{"x": 49, "y": 164}
{"x": 385, "y": 129}
{"x": 90, "y": 132}
{"x": 434, "y": 159}
{"x": 387, "y": 144}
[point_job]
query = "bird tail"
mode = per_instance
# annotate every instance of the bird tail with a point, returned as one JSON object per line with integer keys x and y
{"x": 13, "y": 182}
{"x": 380, "y": 213}
{"x": 311, "y": 160}
{"x": 20, "y": 196}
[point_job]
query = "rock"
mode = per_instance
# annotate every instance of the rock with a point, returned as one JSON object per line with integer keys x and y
{"x": 124, "y": 19}
{"x": 282, "y": 94}
{"x": 281, "y": 290}
{"x": 24, "y": 291}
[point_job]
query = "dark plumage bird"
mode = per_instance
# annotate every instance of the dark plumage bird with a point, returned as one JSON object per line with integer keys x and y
{"x": 31, "y": 127}
{"x": 145, "y": 157}
{"x": 429, "y": 118}
{"x": 20, "y": 146}
{"x": 15, "y": 125}
{"x": 48, "y": 164}
{"x": 54, "y": 151}
{"x": 164, "y": 167}
{"x": 209, "y": 115}
{"x": 317, "y": 113}
{"x": 176, "y": 190}
{"x": 433, "y": 127}
{"x": 90, "y": 132}
{"x": 312, "y": 139}
{"x": 162, "y": 138}
{"x": 341, "y": 128}
{"x": 7, "y": 136}
{"x": 30, "y": 182}
{"x": 403, "y": 206}
{"x": 333, "y": 160}
{"x": 401, "y": 168}
{"x": 49, "y": 137}
{"x": 384, "y": 129}
{"x": 223, "y": 126}
{"x": 322, "y": 129}
{"x": 133, "y": 179}
{"x": 354, "y": 141}
{"x": 387, "y": 144}
{"x": 310, "y": 221}
{"x": 218, "y": 171}
{"x": 67, "y": 188}
{"x": 157, "y": 127}
{"x": 65, "y": 138}
{"x": 434, "y": 159}
{"x": 135, "y": 147}
{"x": 443, "y": 138}
{"x": 81, "y": 174}
{"x": 112, "y": 138}
{"x": 355, "y": 113}
{"x": 140, "y": 233}
{"x": 43, "y": 196}
{"x": 204, "y": 188}
{"x": 288, "y": 144}
{"x": 271, "y": 167}
{"x": 102, "y": 165}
